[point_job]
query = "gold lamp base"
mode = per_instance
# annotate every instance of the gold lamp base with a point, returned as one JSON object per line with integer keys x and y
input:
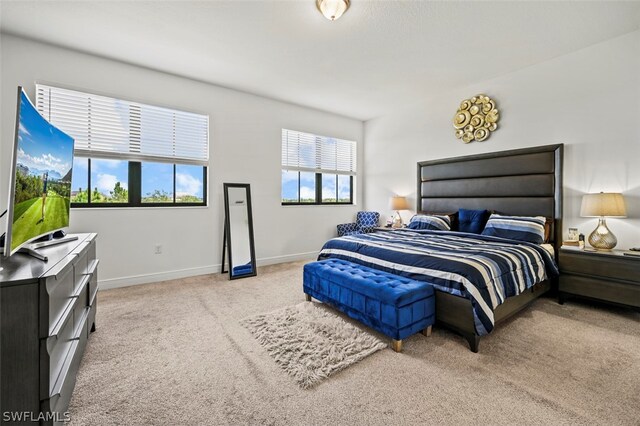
{"x": 397, "y": 221}
{"x": 602, "y": 238}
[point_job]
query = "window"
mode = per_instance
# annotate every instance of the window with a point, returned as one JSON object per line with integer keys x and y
{"x": 317, "y": 169}
{"x": 128, "y": 153}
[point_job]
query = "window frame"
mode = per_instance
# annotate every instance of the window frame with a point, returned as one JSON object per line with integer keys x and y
{"x": 319, "y": 202}
{"x": 134, "y": 185}
{"x": 325, "y": 160}
{"x": 193, "y": 151}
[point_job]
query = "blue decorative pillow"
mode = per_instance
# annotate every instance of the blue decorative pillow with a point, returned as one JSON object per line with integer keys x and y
{"x": 432, "y": 222}
{"x": 521, "y": 228}
{"x": 472, "y": 221}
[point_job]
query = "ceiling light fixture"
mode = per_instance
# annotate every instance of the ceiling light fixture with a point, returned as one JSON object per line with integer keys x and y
{"x": 333, "y": 9}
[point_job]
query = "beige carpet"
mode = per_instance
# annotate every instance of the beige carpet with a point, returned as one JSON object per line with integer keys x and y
{"x": 175, "y": 353}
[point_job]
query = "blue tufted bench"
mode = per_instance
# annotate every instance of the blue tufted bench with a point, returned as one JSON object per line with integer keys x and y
{"x": 395, "y": 306}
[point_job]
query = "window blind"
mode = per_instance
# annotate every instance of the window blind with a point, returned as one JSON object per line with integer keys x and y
{"x": 307, "y": 152}
{"x": 106, "y": 127}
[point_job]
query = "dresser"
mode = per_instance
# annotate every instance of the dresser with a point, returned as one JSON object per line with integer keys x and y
{"x": 48, "y": 311}
{"x": 605, "y": 276}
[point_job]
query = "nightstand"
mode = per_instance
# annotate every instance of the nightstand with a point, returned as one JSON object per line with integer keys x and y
{"x": 606, "y": 276}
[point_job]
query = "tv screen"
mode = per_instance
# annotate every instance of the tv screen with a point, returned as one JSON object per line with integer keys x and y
{"x": 41, "y": 178}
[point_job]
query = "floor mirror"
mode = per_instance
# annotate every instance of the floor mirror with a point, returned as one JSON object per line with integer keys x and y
{"x": 237, "y": 243}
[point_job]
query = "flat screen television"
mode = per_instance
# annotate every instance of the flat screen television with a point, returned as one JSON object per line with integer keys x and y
{"x": 40, "y": 184}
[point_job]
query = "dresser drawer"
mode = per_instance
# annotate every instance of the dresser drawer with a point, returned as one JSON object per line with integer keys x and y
{"x": 601, "y": 289}
{"x": 82, "y": 301}
{"x": 60, "y": 290}
{"x": 59, "y": 395}
{"x": 610, "y": 267}
{"x": 54, "y": 351}
{"x": 83, "y": 256}
{"x": 93, "y": 284}
{"x": 81, "y": 264}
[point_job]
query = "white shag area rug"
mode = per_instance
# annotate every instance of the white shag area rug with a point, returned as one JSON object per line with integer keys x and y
{"x": 309, "y": 342}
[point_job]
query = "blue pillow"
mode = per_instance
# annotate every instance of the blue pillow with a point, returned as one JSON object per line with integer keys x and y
{"x": 432, "y": 222}
{"x": 472, "y": 221}
{"x": 521, "y": 228}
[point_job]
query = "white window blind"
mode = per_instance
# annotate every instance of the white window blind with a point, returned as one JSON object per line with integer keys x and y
{"x": 307, "y": 152}
{"x": 106, "y": 127}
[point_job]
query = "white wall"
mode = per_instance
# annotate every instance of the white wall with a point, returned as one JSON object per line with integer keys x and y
{"x": 589, "y": 100}
{"x": 244, "y": 147}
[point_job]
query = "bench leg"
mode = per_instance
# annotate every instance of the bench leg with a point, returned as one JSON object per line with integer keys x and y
{"x": 308, "y": 297}
{"x": 396, "y": 345}
{"x": 427, "y": 331}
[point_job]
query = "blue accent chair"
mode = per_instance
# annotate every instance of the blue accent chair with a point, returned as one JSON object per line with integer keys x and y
{"x": 365, "y": 222}
{"x": 393, "y": 305}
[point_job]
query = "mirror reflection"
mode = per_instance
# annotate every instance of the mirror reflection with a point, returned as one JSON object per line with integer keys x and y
{"x": 239, "y": 230}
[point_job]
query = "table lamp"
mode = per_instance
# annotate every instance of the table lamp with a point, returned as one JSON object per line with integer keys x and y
{"x": 604, "y": 204}
{"x": 397, "y": 204}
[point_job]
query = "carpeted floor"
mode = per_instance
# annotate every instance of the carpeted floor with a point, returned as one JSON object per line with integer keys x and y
{"x": 175, "y": 353}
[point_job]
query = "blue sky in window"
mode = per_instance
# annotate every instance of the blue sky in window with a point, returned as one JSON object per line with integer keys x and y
{"x": 344, "y": 187}
{"x": 157, "y": 177}
{"x": 328, "y": 186}
{"x": 41, "y": 146}
{"x": 189, "y": 181}
{"x": 80, "y": 177}
{"x": 105, "y": 174}
{"x": 290, "y": 185}
{"x": 307, "y": 186}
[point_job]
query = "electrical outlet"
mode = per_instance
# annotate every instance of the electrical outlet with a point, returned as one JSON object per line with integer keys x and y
{"x": 158, "y": 249}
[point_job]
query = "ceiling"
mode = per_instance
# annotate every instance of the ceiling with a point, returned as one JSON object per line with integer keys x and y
{"x": 379, "y": 56}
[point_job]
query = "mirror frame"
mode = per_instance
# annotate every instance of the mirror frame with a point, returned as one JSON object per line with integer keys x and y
{"x": 227, "y": 231}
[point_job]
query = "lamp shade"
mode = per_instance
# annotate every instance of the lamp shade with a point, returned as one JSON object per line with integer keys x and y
{"x": 610, "y": 204}
{"x": 399, "y": 203}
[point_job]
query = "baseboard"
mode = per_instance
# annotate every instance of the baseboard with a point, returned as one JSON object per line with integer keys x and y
{"x": 190, "y": 272}
{"x": 312, "y": 255}
{"x": 155, "y": 277}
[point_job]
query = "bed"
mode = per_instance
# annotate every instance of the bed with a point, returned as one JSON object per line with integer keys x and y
{"x": 524, "y": 182}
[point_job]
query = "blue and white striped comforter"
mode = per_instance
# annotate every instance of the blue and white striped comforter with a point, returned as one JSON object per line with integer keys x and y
{"x": 487, "y": 270}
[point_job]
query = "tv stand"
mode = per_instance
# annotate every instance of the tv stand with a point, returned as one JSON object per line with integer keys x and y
{"x": 31, "y": 252}
{"x": 47, "y": 314}
{"x": 30, "y": 249}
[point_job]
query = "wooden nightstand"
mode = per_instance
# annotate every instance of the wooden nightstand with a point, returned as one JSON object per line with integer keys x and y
{"x": 385, "y": 228}
{"x": 606, "y": 276}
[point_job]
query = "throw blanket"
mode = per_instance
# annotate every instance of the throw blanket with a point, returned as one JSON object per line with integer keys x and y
{"x": 487, "y": 270}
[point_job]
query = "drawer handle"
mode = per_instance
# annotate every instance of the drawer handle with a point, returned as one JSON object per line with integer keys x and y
{"x": 83, "y": 323}
{"x": 60, "y": 270}
{"x": 81, "y": 287}
{"x": 92, "y": 267}
{"x": 93, "y": 299}
{"x": 81, "y": 248}
{"x": 60, "y": 325}
{"x": 57, "y": 390}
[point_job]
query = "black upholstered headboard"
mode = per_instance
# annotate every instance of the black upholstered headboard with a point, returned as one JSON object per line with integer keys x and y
{"x": 523, "y": 182}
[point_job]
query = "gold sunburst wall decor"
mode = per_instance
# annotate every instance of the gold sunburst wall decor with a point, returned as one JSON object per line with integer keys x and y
{"x": 476, "y": 118}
